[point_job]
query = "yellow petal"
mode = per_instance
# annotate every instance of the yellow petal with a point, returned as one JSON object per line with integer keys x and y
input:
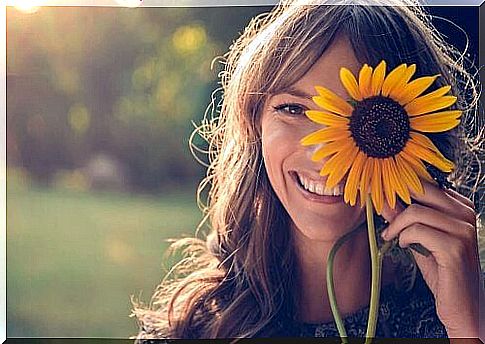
{"x": 398, "y": 183}
{"x": 424, "y": 141}
{"x": 439, "y": 162}
{"x": 378, "y": 78}
{"x": 325, "y": 135}
{"x": 332, "y": 102}
{"x": 352, "y": 183}
{"x": 399, "y": 87}
{"x": 392, "y": 79}
{"x": 436, "y": 122}
{"x": 329, "y": 149}
{"x": 389, "y": 190}
{"x": 327, "y": 118}
{"x": 350, "y": 83}
{"x": 365, "y": 79}
{"x": 418, "y": 106}
{"x": 337, "y": 161}
{"x": 365, "y": 180}
{"x": 408, "y": 97}
{"x": 417, "y": 166}
{"x": 437, "y": 127}
{"x": 415, "y": 88}
{"x": 408, "y": 175}
{"x": 342, "y": 167}
{"x": 376, "y": 186}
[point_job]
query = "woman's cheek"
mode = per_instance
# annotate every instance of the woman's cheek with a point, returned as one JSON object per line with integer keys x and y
{"x": 279, "y": 142}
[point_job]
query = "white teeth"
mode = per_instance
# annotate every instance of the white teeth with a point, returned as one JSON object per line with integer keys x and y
{"x": 336, "y": 191}
{"x": 301, "y": 179}
{"x": 320, "y": 188}
{"x": 311, "y": 187}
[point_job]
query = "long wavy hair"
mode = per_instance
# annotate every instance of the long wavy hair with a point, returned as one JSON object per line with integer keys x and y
{"x": 238, "y": 278}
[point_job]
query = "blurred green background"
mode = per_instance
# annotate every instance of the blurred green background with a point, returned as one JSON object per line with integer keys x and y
{"x": 100, "y": 105}
{"x": 100, "y": 108}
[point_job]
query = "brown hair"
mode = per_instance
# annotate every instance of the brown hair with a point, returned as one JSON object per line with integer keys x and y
{"x": 239, "y": 281}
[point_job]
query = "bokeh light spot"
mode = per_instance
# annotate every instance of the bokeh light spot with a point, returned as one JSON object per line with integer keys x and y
{"x": 68, "y": 80}
{"x": 79, "y": 118}
{"x": 188, "y": 39}
{"x": 27, "y": 6}
{"x": 118, "y": 251}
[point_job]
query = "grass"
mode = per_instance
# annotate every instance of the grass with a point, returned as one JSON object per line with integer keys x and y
{"x": 74, "y": 259}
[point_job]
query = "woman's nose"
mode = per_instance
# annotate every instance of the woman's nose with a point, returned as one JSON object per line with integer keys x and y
{"x": 312, "y": 149}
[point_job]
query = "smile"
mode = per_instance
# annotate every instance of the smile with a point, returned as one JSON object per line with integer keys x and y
{"x": 319, "y": 187}
{"x": 316, "y": 190}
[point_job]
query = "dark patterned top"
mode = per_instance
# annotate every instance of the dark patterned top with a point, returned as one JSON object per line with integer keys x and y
{"x": 402, "y": 314}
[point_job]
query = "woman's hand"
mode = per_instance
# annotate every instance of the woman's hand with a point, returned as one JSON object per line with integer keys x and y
{"x": 445, "y": 223}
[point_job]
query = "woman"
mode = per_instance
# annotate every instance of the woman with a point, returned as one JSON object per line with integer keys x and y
{"x": 261, "y": 270}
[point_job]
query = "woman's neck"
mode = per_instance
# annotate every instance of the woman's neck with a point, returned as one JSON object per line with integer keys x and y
{"x": 351, "y": 277}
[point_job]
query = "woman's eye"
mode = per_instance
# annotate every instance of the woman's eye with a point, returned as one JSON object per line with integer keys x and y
{"x": 291, "y": 109}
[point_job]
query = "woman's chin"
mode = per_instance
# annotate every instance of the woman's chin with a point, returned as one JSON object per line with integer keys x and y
{"x": 325, "y": 231}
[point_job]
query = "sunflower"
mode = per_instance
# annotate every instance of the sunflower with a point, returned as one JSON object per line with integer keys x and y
{"x": 378, "y": 139}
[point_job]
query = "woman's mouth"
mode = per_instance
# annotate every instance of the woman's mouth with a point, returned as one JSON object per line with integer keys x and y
{"x": 316, "y": 190}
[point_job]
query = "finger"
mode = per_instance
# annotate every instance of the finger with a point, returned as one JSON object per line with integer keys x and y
{"x": 443, "y": 247}
{"x": 467, "y": 209}
{"x": 426, "y": 262}
{"x": 389, "y": 214}
{"x": 458, "y": 196}
{"x": 417, "y": 213}
{"x": 437, "y": 198}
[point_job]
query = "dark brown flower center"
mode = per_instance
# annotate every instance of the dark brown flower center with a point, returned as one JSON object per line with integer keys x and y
{"x": 380, "y": 126}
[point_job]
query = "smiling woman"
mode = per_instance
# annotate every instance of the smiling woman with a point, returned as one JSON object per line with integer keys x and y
{"x": 293, "y": 175}
{"x": 277, "y": 207}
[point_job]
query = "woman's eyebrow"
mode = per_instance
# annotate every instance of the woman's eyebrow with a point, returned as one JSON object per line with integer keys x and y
{"x": 296, "y": 92}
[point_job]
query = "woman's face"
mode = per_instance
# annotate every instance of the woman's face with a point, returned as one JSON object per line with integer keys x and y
{"x": 318, "y": 213}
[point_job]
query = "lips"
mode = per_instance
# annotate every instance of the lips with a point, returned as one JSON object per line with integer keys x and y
{"x": 315, "y": 189}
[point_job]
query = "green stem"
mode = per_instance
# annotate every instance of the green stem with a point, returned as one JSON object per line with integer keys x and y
{"x": 385, "y": 247}
{"x": 376, "y": 263}
{"x": 330, "y": 285}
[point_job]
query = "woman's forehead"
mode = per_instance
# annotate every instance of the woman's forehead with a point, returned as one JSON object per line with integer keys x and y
{"x": 326, "y": 70}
